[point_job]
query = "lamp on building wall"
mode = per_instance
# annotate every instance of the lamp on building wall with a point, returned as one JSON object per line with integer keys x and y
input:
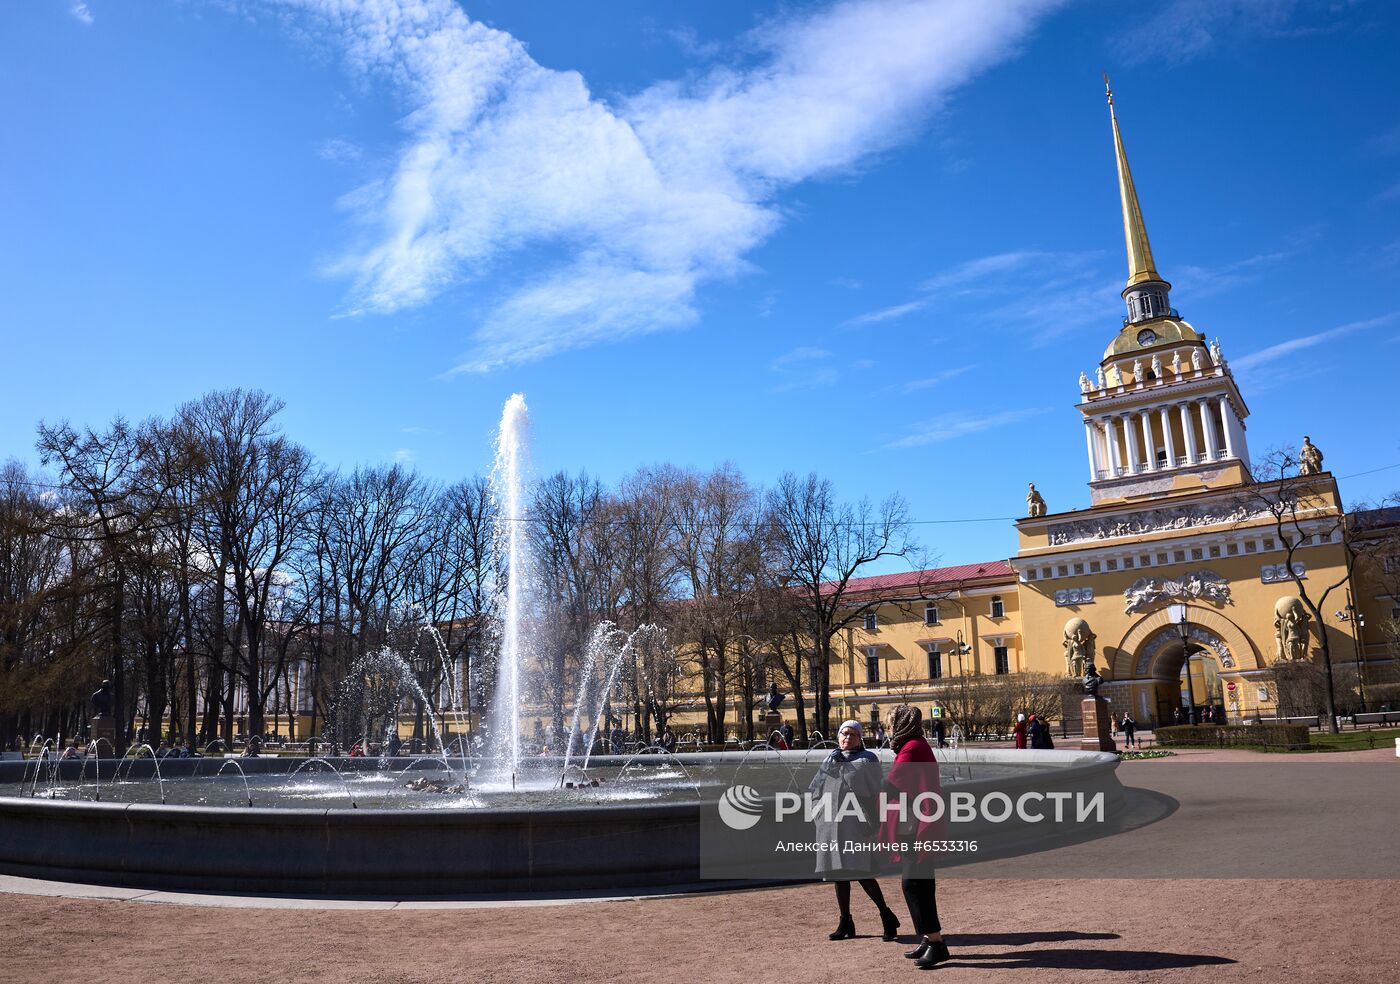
{"x": 1183, "y": 627}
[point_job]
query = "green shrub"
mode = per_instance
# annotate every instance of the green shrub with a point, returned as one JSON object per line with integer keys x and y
{"x": 1230, "y": 735}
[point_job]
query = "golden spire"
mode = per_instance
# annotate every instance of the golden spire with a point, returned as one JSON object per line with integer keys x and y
{"x": 1140, "y": 265}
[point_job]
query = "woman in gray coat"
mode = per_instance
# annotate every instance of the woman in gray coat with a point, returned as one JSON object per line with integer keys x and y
{"x": 850, "y": 770}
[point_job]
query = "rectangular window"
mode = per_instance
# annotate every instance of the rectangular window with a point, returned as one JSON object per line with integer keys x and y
{"x": 1113, "y": 565}
{"x": 872, "y": 665}
{"x": 998, "y": 607}
{"x": 1064, "y": 571}
{"x": 930, "y": 614}
{"x": 1268, "y": 543}
{"x": 1232, "y": 549}
{"x": 935, "y": 663}
{"x": 870, "y": 621}
{"x": 1078, "y": 568}
{"x": 1003, "y": 659}
{"x": 1249, "y": 546}
{"x": 1146, "y": 560}
{"x": 1392, "y": 564}
{"x": 1180, "y": 556}
{"x": 1162, "y": 559}
{"x": 1214, "y": 552}
{"x": 1196, "y": 554}
{"x": 1094, "y": 567}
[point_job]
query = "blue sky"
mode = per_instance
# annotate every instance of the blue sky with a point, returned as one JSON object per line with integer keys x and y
{"x": 877, "y": 240}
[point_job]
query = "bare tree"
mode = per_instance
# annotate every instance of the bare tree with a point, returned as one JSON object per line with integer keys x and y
{"x": 825, "y": 545}
{"x": 1303, "y": 514}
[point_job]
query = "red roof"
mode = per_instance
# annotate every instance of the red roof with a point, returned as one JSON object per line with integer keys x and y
{"x": 937, "y": 578}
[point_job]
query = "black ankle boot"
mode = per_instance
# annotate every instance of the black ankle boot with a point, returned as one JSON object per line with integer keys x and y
{"x": 845, "y": 929}
{"x": 890, "y": 922}
{"x": 918, "y": 951}
{"x": 936, "y": 954}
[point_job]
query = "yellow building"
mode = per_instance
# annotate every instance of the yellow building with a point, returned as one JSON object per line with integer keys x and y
{"x": 1181, "y": 559}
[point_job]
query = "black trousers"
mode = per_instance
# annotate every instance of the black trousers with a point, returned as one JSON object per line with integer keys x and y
{"x": 920, "y": 895}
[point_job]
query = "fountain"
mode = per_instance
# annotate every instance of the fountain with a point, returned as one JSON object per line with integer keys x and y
{"x": 498, "y": 822}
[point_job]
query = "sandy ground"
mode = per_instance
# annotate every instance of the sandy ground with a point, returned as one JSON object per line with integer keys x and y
{"x": 1046, "y": 931}
{"x": 1049, "y": 930}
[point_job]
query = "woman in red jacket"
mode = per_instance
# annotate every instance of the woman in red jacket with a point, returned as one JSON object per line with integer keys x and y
{"x": 915, "y": 771}
{"x": 1019, "y": 732}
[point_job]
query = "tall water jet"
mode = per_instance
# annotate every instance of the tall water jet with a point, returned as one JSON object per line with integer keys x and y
{"x": 508, "y": 483}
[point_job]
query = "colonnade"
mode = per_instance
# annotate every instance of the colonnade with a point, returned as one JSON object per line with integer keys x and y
{"x": 1124, "y": 443}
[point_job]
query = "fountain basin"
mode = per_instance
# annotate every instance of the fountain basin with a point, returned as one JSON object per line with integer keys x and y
{"x": 480, "y": 851}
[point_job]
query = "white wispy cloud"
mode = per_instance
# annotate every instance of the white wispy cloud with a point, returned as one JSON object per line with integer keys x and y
{"x": 1184, "y": 30}
{"x": 644, "y": 198}
{"x": 951, "y": 426}
{"x": 890, "y": 313}
{"x": 1283, "y": 349}
{"x": 803, "y": 353}
{"x": 937, "y": 379}
{"x": 804, "y": 367}
{"x": 338, "y": 150}
{"x": 1198, "y": 281}
{"x": 1062, "y": 280}
{"x": 405, "y": 456}
{"x": 80, "y": 10}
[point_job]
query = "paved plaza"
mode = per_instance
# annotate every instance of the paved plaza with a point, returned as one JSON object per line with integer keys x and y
{"x": 1037, "y": 916}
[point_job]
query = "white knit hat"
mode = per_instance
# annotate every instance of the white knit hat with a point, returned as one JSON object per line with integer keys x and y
{"x": 854, "y": 725}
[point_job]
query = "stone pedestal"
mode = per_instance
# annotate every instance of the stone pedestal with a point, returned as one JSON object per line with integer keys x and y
{"x": 104, "y": 727}
{"x": 772, "y": 721}
{"x": 1098, "y": 726}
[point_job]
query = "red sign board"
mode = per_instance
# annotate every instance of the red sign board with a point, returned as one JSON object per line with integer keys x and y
{"x": 1230, "y": 685}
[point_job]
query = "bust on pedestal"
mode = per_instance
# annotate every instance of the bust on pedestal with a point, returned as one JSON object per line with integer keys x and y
{"x": 1098, "y": 719}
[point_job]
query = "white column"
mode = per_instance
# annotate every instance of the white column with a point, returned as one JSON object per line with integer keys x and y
{"x": 1212, "y": 439}
{"x": 1167, "y": 437}
{"x": 1093, "y": 456}
{"x": 1226, "y": 415}
{"x": 1188, "y": 432}
{"x": 1110, "y": 440}
{"x": 1130, "y": 432}
{"x": 1148, "y": 444}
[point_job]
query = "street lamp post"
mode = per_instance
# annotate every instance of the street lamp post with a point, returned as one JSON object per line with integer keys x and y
{"x": 1184, "y": 628}
{"x": 1358, "y": 622}
{"x": 961, "y": 649}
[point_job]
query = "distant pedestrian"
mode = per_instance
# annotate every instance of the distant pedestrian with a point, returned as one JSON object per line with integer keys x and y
{"x": 668, "y": 740}
{"x": 1019, "y": 731}
{"x": 1039, "y": 733}
{"x": 1129, "y": 727}
{"x": 938, "y": 732}
{"x": 788, "y": 733}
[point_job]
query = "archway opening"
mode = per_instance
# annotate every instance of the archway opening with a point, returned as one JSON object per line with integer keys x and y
{"x": 1186, "y": 684}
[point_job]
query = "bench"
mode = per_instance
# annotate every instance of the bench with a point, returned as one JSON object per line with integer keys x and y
{"x": 1376, "y": 717}
{"x": 1312, "y": 722}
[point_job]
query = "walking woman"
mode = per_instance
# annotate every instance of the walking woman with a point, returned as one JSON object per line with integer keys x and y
{"x": 915, "y": 771}
{"x": 850, "y": 769}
